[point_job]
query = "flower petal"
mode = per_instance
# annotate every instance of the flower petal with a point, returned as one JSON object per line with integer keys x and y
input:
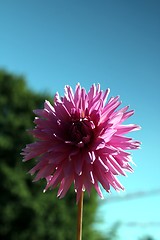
{"x": 80, "y": 139}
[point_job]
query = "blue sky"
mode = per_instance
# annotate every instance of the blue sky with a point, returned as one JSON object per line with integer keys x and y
{"x": 115, "y": 43}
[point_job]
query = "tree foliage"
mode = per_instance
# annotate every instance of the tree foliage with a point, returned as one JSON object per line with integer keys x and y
{"x": 27, "y": 213}
{"x": 147, "y": 238}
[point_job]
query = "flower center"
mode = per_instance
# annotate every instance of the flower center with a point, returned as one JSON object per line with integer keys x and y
{"x": 81, "y": 132}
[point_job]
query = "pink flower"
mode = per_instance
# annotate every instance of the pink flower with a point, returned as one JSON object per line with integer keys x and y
{"x": 80, "y": 140}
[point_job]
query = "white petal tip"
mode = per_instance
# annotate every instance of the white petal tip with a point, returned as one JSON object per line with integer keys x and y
{"x": 102, "y": 198}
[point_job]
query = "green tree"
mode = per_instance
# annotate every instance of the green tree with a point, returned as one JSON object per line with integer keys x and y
{"x": 147, "y": 238}
{"x": 25, "y": 212}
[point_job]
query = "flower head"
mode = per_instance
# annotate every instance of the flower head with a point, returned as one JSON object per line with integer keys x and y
{"x": 81, "y": 140}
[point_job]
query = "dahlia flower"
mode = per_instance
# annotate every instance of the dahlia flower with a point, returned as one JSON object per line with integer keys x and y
{"x": 81, "y": 140}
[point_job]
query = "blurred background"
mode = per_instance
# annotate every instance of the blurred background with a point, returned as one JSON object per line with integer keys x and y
{"x": 45, "y": 45}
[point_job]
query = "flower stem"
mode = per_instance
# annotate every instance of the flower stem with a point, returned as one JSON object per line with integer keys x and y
{"x": 80, "y": 217}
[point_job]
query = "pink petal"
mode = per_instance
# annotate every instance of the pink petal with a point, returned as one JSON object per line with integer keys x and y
{"x": 123, "y": 129}
{"x": 109, "y": 109}
{"x": 107, "y": 135}
{"x": 115, "y": 165}
{"x": 96, "y": 186}
{"x": 57, "y": 177}
{"x": 65, "y": 185}
{"x": 101, "y": 176}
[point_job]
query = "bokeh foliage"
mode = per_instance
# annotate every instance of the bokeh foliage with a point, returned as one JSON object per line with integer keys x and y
{"x": 25, "y": 212}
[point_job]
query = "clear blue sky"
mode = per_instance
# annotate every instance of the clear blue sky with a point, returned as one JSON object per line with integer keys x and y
{"x": 115, "y": 43}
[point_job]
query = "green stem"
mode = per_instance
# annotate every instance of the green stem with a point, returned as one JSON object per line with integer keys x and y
{"x": 80, "y": 218}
